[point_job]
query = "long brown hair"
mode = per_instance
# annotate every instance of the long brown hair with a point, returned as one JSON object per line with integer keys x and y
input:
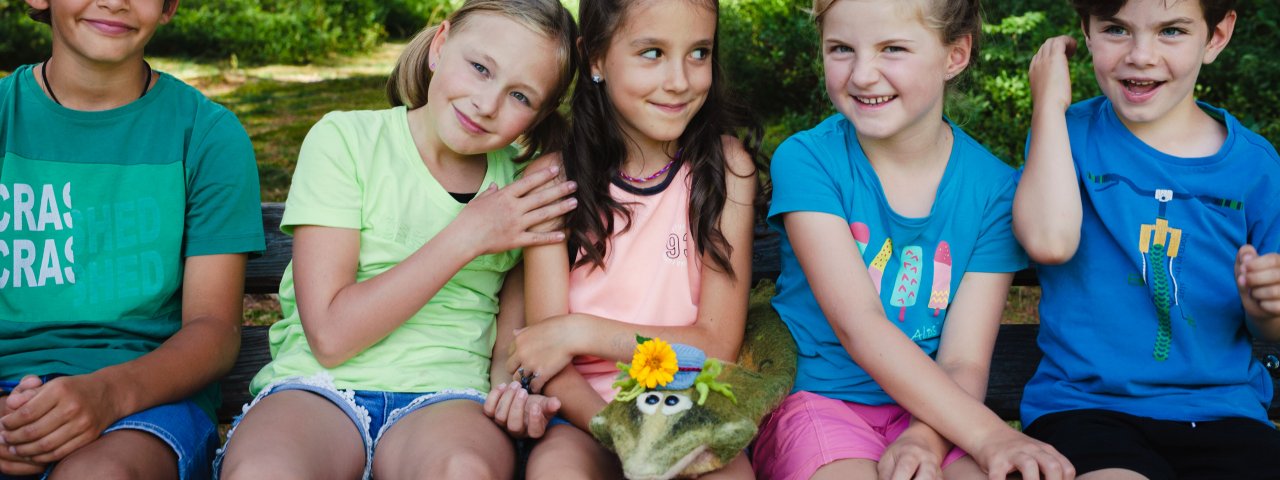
{"x": 598, "y": 148}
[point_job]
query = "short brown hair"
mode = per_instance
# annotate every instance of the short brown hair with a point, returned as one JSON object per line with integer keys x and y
{"x": 1214, "y": 10}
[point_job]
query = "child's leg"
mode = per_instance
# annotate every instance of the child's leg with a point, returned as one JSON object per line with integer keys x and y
{"x": 739, "y": 467}
{"x": 566, "y": 452}
{"x": 812, "y": 435}
{"x": 294, "y": 434}
{"x": 120, "y": 455}
{"x": 964, "y": 468}
{"x": 449, "y": 439}
{"x": 174, "y": 440}
{"x": 855, "y": 468}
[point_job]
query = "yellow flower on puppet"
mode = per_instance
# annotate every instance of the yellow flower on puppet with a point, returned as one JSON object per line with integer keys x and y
{"x": 658, "y": 365}
{"x": 654, "y": 363}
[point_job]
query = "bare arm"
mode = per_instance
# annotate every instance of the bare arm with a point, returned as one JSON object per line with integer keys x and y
{"x": 830, "y": 260}
{"x": 326, "y": 258}
{"x": 722, "y": 307}
{"x": 69, "y": 412}
{"x": 1046, "y": 208}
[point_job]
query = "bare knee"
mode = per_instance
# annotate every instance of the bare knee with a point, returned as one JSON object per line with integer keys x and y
{"x": 103, "y": 467}
{"x": 255, "y": 468}
{"x": 468, "y": 464}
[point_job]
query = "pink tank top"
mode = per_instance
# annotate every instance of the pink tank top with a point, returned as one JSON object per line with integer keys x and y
{"x": 651, "y": 275}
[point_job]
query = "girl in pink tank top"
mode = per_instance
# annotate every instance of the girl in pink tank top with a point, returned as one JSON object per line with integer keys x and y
{"x": 660, "y": 243}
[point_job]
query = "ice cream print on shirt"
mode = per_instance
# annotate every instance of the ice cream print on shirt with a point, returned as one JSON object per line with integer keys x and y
{"x": 89, "y": 238}
{"x": 908, "y": 267}
{"x": 1158, "y": 250}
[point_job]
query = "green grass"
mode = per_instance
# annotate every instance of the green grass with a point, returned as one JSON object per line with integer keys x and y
{"x": 278, "y": 104}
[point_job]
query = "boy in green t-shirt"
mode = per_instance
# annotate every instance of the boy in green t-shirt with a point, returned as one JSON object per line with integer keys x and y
{"x": 128, "y": 203}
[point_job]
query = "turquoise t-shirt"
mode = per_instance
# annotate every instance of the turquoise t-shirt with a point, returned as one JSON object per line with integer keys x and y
{"x": 98, "y": 211}
{"x": 915, "y": 263}
{"x": 361, "y": 170}
{"x": 1146, "y": 319}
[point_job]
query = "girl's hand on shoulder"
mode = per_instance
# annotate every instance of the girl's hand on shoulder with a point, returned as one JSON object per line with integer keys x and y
{"x": 501, "y": 219}
{"x": 1013, "y": 452}
{"x": 522, "y": 414}
{"x": 64, "y": 414}
{"x": 1050, "y": 74}
{"x": 542, "y": 350}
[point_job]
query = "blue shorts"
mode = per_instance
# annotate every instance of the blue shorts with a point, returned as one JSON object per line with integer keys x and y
{"x": 373, "y": 412}
{"x": 181, "y": 425}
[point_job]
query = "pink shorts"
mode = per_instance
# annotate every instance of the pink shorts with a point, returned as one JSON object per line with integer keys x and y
{"x": 808, "y": 431}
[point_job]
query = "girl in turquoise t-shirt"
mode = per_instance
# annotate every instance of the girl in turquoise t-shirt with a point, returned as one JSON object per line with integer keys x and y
{"x": 405, "y": 223}
{"x": 896, "y": 247}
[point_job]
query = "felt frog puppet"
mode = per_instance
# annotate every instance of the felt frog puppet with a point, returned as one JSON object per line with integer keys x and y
{"x": 681, "y": 415}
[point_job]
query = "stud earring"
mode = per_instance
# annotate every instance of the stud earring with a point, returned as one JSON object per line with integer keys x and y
{"x": 597, "y": 79}
{"x": 432, "y": 66}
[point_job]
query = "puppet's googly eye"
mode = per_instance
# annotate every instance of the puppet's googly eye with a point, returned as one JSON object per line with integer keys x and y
{"x": 675, "y": 403}
{"x": 648, "y": 403}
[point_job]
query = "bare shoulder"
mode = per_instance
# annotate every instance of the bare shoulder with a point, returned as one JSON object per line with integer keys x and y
{"x": 736, "y": 158}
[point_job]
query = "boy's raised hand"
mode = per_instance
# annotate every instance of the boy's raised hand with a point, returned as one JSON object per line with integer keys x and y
{"x": 62, "y": 415}
{"x": 1258, "y": 280}
{"x": 501, "y": 219}
{"x": 1050, "y": 75}
{"x": 522, "y": 414}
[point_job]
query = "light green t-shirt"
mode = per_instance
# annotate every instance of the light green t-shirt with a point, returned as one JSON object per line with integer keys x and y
{"x": 98, "y": 211}
{"x": 361, "y": 170}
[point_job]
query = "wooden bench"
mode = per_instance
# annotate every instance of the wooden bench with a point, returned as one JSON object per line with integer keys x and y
{"x": 1015, "y": 358}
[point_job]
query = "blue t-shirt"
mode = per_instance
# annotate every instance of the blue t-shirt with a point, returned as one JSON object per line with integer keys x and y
{"x": 915, "y": 263}
{"x": 1145, "y": 319}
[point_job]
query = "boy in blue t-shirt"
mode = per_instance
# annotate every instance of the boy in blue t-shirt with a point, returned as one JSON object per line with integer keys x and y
{"x": 1154, "y": 219}
{"x": 128, "y": 202}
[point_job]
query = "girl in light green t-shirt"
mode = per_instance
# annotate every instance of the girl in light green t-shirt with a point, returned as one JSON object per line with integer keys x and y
{"x": 406, "y": 222}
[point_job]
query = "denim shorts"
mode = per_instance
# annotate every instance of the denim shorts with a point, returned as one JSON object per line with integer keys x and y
{"x": 181, "y": 425}
{"x": 373, "y": 412}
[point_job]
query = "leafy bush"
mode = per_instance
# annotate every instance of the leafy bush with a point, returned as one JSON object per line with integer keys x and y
{"x": 261, "y": 31}
{"x": 405, "y": 17}
{"x": 24, "y": 40}
{"x": 770, "y": 50}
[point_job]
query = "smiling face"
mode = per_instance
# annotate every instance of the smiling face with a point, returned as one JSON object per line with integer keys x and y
{"x": 103, "y": 32}
{"x": 885, "y": 69}
{"x": 492, "y": 79}
{"x": 657, "y": 68}
{"x": 1147, "y": 57}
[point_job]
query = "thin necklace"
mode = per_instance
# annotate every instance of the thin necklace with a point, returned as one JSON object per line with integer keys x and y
{"x": 623, "y": 175}
{"x": 44, "y": 74}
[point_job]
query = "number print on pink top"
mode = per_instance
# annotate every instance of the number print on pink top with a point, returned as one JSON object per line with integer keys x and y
{"x": 677, "y": 246}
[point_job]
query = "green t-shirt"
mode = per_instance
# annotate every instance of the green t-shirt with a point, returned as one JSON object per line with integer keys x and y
{"x": 361, "y": 170}
{"x": 98, "y": 211}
